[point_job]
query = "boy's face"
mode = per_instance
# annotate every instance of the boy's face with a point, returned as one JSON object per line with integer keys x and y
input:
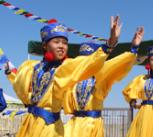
{"x": 58, "y": 46}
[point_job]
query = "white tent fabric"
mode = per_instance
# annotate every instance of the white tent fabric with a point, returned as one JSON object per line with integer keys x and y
{"x": 10, "y": 99}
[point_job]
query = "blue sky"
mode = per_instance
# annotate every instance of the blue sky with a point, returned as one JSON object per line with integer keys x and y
{"x": 90, "y": 16}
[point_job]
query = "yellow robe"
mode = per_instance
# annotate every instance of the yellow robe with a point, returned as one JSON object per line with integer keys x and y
{"x": 69, "y": 73}
{"x": 142, "y": 125}
{"x": 112, "y": 71}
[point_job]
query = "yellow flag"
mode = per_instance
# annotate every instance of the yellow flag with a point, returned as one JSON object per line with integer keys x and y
{"x": 12, "y": 115}
{"x": 41, "y": 20}
{"x": 20, "y": 11}
{"x": 1, "y": 52}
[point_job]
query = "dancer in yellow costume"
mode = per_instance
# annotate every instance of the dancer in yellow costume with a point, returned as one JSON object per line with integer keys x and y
{"x": 141, "y": 88}
{"x": 84, "y": 100}
{"x": 41, "y": 84}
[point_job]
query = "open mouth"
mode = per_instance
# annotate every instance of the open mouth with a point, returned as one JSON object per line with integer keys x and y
{"x": 61, "y": 52}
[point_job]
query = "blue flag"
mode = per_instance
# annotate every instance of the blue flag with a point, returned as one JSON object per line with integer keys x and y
{"x": 3, "y": 59}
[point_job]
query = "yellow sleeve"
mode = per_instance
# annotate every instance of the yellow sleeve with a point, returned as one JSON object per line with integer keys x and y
{"x": 22, "y": 81}
{"x": 11, "y": 77}
{"x": 113, "y": 70}
{"x": 134, "y": 88}
{"x": 78, "y": 69}
{"x": 69, "y": 102}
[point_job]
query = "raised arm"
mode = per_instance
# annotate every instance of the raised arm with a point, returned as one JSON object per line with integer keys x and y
{"x": 117, "y": 68}
{"x": 78, "y": 69}
{"x": 21, "y": 80}
{"x": 10, "y": 71}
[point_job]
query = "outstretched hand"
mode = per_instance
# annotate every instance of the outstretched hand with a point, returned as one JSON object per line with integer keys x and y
{"x": 115, "y": 30}
{"x": 138, "y": 36}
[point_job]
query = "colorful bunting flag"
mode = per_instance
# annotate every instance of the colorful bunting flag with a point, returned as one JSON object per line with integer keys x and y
{"x": 28, "y": 15}
{"x": 3, "y": 59}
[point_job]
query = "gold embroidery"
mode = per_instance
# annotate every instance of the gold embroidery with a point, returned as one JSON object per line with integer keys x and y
{"x": 39, "y": 90}
{"x": 59, "y": 28}
{"x": 86, "y": 47}
{"x": 43, "y": 34}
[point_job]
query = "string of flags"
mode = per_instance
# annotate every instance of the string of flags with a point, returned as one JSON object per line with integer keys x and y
{"x": 31, "y": 16}
{"x": 19, "y": 11}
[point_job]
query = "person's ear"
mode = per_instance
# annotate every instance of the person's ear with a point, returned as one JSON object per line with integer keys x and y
{"x": 45, "y": 47}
